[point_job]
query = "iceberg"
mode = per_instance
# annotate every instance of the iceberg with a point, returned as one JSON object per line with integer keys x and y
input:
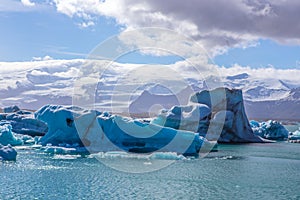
{"x": 217, "y": 115}
{"x": 140, "y": 137}
{"x": 295, "y": 136}
{"x": 61, "y": 125}
{"x": 11, "y": 109}
{"x": 230, "y": 115}
{"x": 99, "y": 132}
{"x": 7, "y": 153}
{"x": 7, "y": 137}
{"x": 23, "y": 122}
{"x": 271, "y": 129}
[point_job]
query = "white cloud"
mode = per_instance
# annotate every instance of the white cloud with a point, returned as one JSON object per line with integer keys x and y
{"x": 42, "y": 58}
{"x": 159, "y": 41}
{"x": 27, "y": 3}
{"x": 263, "y": 73}
{"x": 86, "y": 24}
{"x": 80, "y": 8}
{"x": 13, "y": 6}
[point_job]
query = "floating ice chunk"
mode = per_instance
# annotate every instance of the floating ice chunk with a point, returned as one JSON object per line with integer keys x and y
{"x": 65, "y": 157}
{"x": 148, "y": 157}
{"x": 7, "y": 152}
{"x": 295, "y": 135}
{"x": 59, "y": 150}
{"x": 254, "y": 124}
{"x": 26, "y": 139}
{"x": 167, "y": 156}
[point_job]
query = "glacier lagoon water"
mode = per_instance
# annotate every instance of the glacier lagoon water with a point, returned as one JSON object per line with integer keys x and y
{"x": 250, "y": 171}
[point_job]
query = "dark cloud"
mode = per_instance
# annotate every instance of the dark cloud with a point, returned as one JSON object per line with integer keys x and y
{"x": 217, "y": 24}
{"x": 277, "y": 20}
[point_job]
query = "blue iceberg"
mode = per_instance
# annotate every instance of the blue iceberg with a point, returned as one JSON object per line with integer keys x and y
{"x": 7, "y": 137}
{"x": 272, "y": 130}
{"x": 96, "y": 131}
{"x": 23, "y": 122}
{"x": 140, "y": 137}
{"x": 69, "y": 125}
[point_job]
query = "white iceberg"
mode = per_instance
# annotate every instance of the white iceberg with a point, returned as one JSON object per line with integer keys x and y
{"x": 295, "y": 136}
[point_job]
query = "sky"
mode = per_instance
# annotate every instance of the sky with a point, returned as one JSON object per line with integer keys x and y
{"x": 250, "y": 33}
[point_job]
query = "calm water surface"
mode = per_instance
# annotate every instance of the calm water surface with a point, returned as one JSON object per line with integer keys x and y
{"x": 254, "y": 171}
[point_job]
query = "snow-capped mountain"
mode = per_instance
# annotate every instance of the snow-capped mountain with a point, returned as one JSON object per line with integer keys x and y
{"x": 257, "y": 89}
{"x": 286, "y": 108}
{"x": 268, "y": 93}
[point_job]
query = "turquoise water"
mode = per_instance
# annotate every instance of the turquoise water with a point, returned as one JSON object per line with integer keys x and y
{"x": 254, "y": 171}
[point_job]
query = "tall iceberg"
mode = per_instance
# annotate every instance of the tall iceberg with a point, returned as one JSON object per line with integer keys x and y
{"x": 217, "y": 114}
{"x": 228, "y": 106}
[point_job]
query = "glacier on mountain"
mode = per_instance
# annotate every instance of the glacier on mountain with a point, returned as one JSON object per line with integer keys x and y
{"x": 33, "y": 84}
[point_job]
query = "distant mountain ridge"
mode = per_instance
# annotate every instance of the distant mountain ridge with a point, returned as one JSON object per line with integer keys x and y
{"x": 263, "y": 99}
{"x": 287, "y": 108}
{"x": 33, "y": 84}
